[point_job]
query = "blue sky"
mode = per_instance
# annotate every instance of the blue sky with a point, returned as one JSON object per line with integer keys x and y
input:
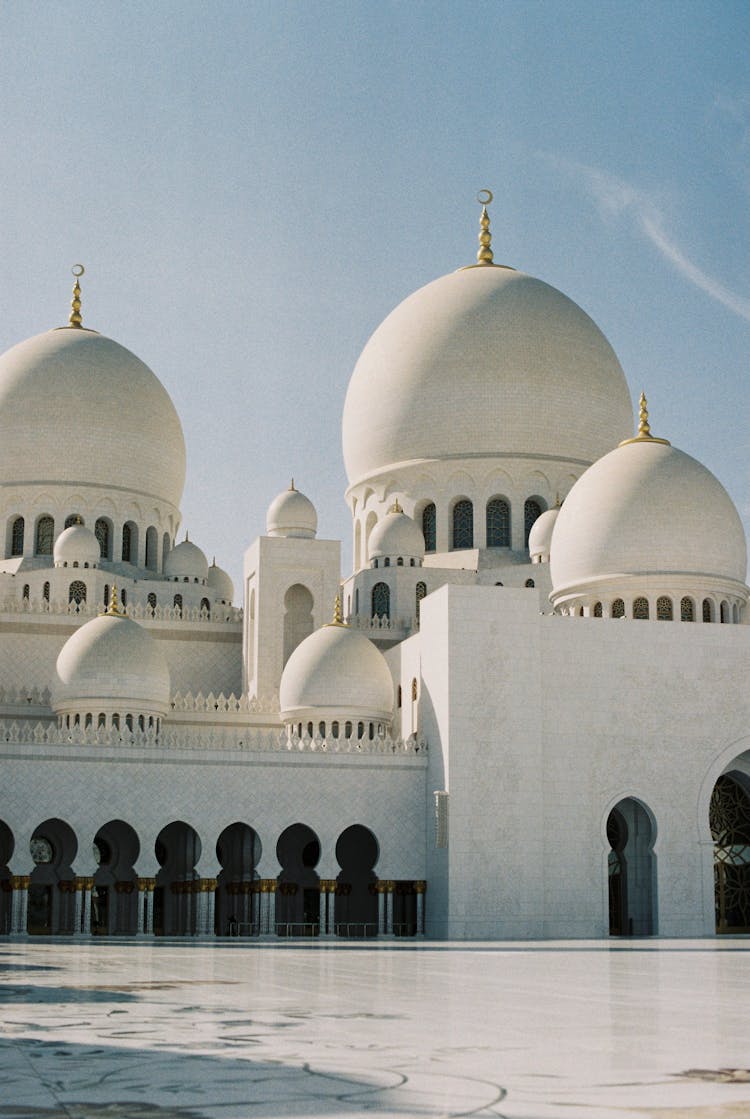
{"x": 253, "y": 186}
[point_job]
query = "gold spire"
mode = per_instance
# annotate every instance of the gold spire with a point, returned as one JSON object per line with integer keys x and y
{"x": 396, "y": 507}
{"x": 644, "y": 428}
{"x": 484, "y": 256}
{"x": 75, "y": 319}
{"x": 337, "y": 618}
{"x": 113, "y": 610}
{"x": 291, "y": 485}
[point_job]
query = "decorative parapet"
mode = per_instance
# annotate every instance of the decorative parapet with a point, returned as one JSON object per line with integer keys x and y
{"x": 231, "y": 738}
{"x": 374, "y": 626}
{"x": 218, "y": 614}
{"x": 221, "y": 704}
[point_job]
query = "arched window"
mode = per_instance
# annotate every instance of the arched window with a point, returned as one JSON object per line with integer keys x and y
{"x": 106, "y": 595}
{"x": 360, "y": 730}
{"x": 165, "y": 546}
{"x": 664, "y": 608}
{"x": 618, "y": 608}
{"x": 73, "y": 519}
{"x": 356, "y": 601}
{"x": 16, "y": 537}
{"x": 429, "y": 527}
{"x": 724, "y": 612}
{"x": 152, "y": 600}
{"x": 529, "y": 583}
{"x": 127, "y": 542}
{"x": 414, "y": 689}
{"x": 640, "y": 608}
{"x": 206, "y": 605}
{"x": 77, "y": 591}
{"x": 381, "y": 601}
{"x": 123, "y": 597}
{"x": 463, "y": 524}
{"x": 531, "y": 510}
{"x": 687, "y": 610}
{"x": 400, "y": 561}
{"x": 152, "y": 542}
{"x": 26, "y": 591}
{"x": 298, "y": 617}
{"x": 177, "y": 603}
{"x": 398, "y": 696}
{"x": 45, "y": 535}
{"x": 498, "y": 523}
{"x": 103, "y": 534}
{"x": 708, "y": 610}
{"x": 387, "y": 561}
{"x": 334, "y": 729}
{"x": 597, "y": 609}
{"x": 421, "y": 591}
{"x": 347, "y": 730}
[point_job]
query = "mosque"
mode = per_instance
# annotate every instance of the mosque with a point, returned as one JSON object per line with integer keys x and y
{"x": 523, "y": 714}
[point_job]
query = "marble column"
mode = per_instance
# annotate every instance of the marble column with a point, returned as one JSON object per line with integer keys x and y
{"x": 85, "y": 895}
{"x": 390, "y": 886}
{"x": 327, "y": 887}
{"x": 201, "y": 904}
{"x": 381, "y": 907}
{"x": 146, "y": 906}
{"x": 78, "y": 925}
{"x": 209, "y": 888}
{"x": 19, "y": 904}
{"x": 271, "y": 894}
{"x": 419, "y": 890}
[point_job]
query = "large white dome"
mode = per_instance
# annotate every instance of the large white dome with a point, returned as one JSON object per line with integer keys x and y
{"x": 78, "y": 408}
{"x": 647, "y": 511}
{"x": 336, "y": 671}
{"x": 486, "y": 361}
{"x": 111, "y": 663}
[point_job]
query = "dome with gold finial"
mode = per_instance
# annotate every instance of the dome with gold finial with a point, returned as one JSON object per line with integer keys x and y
{"x": 336, "y": 674}
{"x": 76, "y": 546}
{"x": 111, "y": 666}
{"x": 77, "y": 407}
{"x": 291, "y": 513}
{"x": 397, "y": 538}
{"x": 647, "y": 521}
{"x": 186, "y": 563}
{"x": 484, "y": 363}
{"x": 220, "y": 583}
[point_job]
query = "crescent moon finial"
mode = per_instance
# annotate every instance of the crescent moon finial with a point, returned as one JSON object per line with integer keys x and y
{"x": 76, "y": 319}
{"x": 485, "y": 197}
{"x": 485, "y": 255}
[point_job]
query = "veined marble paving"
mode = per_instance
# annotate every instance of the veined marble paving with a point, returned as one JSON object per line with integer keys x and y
{"x": 554, "y": 1030}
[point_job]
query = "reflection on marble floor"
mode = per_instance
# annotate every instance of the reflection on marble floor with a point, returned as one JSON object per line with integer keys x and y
{"x": 167, "y": 1030}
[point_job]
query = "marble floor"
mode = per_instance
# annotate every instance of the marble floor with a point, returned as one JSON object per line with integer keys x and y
{"x": 554, "y": 1030}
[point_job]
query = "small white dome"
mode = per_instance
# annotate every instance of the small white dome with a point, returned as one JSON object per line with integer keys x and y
{"x": 647, "y": 509}
{"x": 292, "y": 514}
{"x": 186, "y": 561}
{"x": 397, "y": 535}
{"x": 220, "y": 583}
{"x": 111, "y": 664}
{"x": 77, "y": 545}
{"x": 339, "y": 672}
{"x": 540, "y": 536}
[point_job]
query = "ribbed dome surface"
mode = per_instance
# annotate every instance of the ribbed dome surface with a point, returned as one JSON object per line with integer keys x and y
{"x": 76, "y": 407}
{"x": 646, "y": 508}
{"x": 336, "y": 668}
{"x": 112, "y": 660}
{"x": 484, "y": 361}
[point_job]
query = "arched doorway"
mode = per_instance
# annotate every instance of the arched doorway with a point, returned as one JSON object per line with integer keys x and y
{"x": 114, "y": 897}
{"x": 238, "y": 850}
{"x": 729, "y": 818}
{"x": 298, "y": 885}
{"x": 178, "y": 850}
{"x": 355, "y": 911}
{"x": 298, "y": 617}
{"x": 631, "y": 870}
{"x": 52, "y": 885}
{"x": 7, "y": 845}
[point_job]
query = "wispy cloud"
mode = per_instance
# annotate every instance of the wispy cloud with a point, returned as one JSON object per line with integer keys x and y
{"x": 615, "y": 198}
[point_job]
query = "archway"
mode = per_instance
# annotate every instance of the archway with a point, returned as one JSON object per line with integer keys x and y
{"x": 52, "y": 885}
{"x": 298, "y": 885}
{"x": 298, "y": 617}
{"x": 729, "y": 819}
{"x": 631, "y": 870}
{"x": 355, "y": 911}
{"x": 114, "y": 898}
{"x": 7, "y": 845}
{"x": 178, "y": 850}
{"x": 238, "y": 850}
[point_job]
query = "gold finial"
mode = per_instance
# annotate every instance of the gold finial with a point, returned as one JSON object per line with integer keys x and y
{"x": 396, "y": 507}
{"x": 484, "y": 256}
{"x": 75, "y": 319}
{"x": 113, "y": 610}
{"x": 644, "y": 428}
{"x": 337, "y": 618}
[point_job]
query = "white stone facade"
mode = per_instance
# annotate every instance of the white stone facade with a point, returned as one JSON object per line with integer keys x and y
{"x": 506, "y": 733}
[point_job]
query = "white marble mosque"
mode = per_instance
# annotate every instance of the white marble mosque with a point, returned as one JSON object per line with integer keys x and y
{"x": 523, "y": 714}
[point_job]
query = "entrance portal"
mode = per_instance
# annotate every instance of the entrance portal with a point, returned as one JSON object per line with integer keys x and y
{"x": 729, "y": 817}
{"x": 631, "y": 870}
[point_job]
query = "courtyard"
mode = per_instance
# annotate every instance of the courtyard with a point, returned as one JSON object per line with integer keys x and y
{"x": 184, "y": 1030}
